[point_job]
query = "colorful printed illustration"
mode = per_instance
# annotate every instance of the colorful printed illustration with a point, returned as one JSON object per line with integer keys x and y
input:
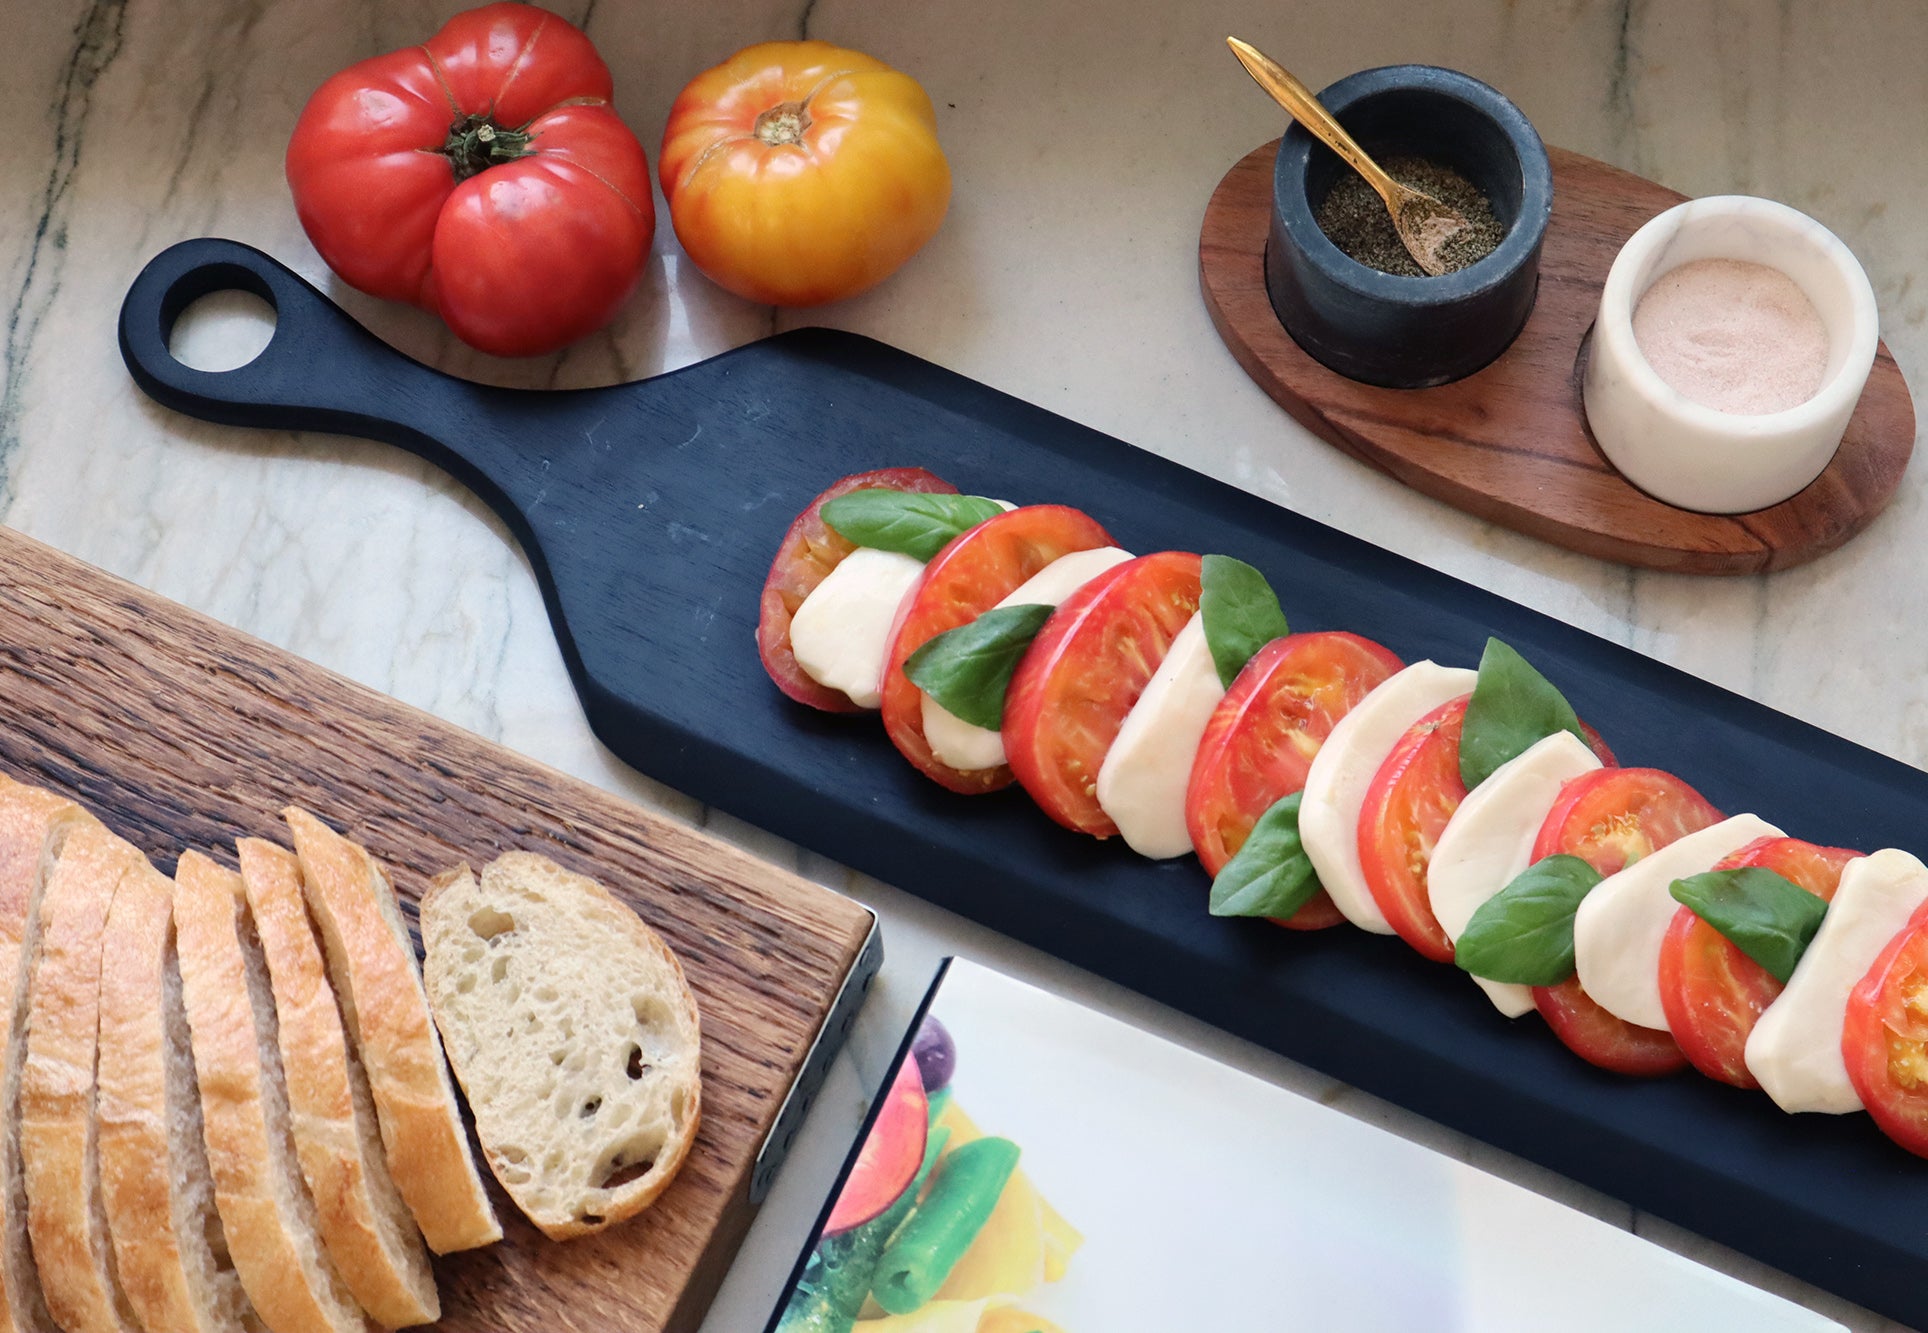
{"x": 937, "y": 1229}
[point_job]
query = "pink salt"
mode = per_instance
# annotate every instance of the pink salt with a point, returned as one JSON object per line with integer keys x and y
{"x": 1734, "y": 336}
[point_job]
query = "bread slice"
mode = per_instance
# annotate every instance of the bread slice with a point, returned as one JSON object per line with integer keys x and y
{"x": 367, "y": 1228}
{"x": 574, "y": 1034}
{"x": 372, "y": 964}
{"x": 170, "y": 1251}
{"x": 34, "y": 827}
{"x": 265, "y": 1208}
{"x": 59, "y": 1144}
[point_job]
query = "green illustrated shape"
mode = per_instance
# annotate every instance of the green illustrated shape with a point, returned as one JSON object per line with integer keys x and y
{"x": 830, "y": 1293}
{"x": 964, "y": 1191}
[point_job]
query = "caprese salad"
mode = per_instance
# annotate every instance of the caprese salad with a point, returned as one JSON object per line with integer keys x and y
{"x": 1163, "y": 699}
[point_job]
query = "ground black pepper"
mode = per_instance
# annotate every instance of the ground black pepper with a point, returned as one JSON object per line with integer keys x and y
{"x": 1354, "y": 217}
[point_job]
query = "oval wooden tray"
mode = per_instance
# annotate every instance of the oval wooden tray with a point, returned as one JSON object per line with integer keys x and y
{"x": 1510, "y": 443}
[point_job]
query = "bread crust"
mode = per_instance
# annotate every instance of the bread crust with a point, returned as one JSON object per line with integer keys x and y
{"x": 291, "y": 1296}
{"x": 136, "y": 1148}
{"x": 439, "y": 902}
{"x": 57, "y": 1087}
{"x": 33, "y": 824}
{"x": 386, "y": 1268}
{"x": 386, "y": 1008}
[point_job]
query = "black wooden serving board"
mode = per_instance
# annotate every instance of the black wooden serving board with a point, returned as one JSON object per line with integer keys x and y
{"x": 650, "y": 512}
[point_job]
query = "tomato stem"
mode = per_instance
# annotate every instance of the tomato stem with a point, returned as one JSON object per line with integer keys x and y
{"x": 783, "y": 123}
{"x": 476, "y": 143}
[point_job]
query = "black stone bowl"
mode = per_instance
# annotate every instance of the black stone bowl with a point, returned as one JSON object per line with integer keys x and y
{"x": 1406, "y": 332}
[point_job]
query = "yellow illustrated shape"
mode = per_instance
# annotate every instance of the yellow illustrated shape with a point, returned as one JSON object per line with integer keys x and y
{"x": 980, "y": 1316}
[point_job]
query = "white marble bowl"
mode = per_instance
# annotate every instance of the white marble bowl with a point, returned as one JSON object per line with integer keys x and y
{"x": 1695, "y": 456}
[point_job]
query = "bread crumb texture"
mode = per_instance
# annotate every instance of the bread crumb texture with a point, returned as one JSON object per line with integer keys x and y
{"x": 574, "y": 1034}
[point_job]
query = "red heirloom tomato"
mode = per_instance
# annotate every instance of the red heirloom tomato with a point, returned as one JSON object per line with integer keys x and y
{"x": 1610, "y": 819}
{"x": 979, "y": 569}
{"x": 810, "y": 550}
{"x": 1083, "y": 673}
{"x": 1262, "y": 736}
{"x": 800, "y": 172}
{"x": 1885, "y": 1038}
{"x": 1712, "y": 992}
{"x": 482, "y": 175}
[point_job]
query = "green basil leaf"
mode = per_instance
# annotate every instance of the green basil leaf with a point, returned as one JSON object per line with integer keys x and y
{"x": 1524, "y": 933}
{"x": 1271, "y": 874}
{"x": 1512, "y": 707}
{"x": 1767, "y": 916}
{"x": 968, "y": 669}
{"x": 912, "y": 523}
{"x": 1241, "y": 613}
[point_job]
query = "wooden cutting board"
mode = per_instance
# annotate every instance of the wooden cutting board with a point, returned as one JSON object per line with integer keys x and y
{"x": 179, "y": 732}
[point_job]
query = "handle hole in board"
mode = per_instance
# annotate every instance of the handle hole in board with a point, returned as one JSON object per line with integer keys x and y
{"x": 223, "y": 330}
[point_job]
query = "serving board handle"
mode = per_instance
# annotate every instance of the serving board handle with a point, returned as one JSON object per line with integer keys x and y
{"x": 320, "y": 371}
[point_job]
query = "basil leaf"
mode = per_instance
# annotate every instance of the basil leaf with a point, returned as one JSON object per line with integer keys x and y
{"x": 1271, "y": 874}
{"x": 1513, "y": 706}
{"x": 912, "y": 523}
{"x": 1767, "y": 916}
{"x": 1524, "y": 933}
{"x": 1241, "y": 613}
{"x": 968, "y": 669}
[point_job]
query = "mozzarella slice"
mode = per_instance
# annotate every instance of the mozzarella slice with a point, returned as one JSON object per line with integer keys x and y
{"x": 1142, "y": 782}
{"x": 955, "y": 741}
{"x": 1620, "y": 925}
{"x": 841, "y": 631}
{"x": 1489, "y": 841}
{"x": 1335, "y": 786}
{"x": 1795, "y": 1048}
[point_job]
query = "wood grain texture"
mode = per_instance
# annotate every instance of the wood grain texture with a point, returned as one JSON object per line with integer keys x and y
{"x": 1510, "y": 443}
{"x": 179, "y": 732}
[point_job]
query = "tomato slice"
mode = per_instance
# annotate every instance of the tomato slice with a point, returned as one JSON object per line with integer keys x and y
{"x": 1610, "y": 819}
{"x": 1415, "y": 792}
{"x": 1087, "y": 668}
{"x": 1605, "y": 1039}
{"x": 1885, "y": 1038}
{"x": 1714, "y": 993}
{"x": 964, "y": 580}
{"x": 1613, "y": 817}
{"x": 809, "y": 551}
{"x": 1261, "y": 738}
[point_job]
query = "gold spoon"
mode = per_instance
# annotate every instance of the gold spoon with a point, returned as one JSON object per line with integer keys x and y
{"x": 1425, "y": 225}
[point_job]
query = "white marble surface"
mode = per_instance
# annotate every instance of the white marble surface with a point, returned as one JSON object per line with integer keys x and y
{"x": 1085, "y": 139}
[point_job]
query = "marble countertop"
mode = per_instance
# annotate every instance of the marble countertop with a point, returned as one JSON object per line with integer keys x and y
{"x": 1085, "y": 140}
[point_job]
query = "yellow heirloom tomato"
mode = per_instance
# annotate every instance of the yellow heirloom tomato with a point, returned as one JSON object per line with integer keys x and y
{"x": 800, "y": 172}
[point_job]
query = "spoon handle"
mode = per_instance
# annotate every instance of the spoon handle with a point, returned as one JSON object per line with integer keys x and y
{"x": 1297, "y": 99}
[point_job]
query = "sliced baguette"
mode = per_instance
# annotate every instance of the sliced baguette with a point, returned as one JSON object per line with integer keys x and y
{"x": 574, "y": 1034}
{"x": 371, "y": 962}
{"x": 169, "y": 1248}
{"x": 59, "y": 1143}
{"x": 364, "y": 1221}
{"x": 34, "y": 826}
{"x": 265, "y": 1208}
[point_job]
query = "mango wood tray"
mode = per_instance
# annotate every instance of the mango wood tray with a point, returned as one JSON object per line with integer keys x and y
{"x": 1510, "y": 443}
{"x": 180, "y": 733}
